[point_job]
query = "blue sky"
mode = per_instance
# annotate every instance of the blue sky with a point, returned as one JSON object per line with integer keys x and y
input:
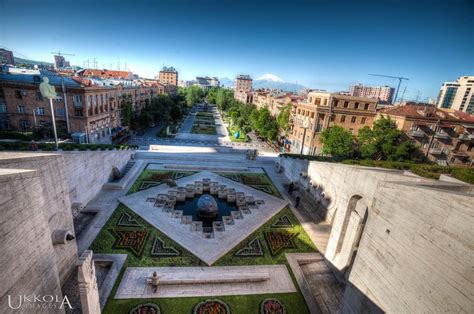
{"x": 320, "y": 44}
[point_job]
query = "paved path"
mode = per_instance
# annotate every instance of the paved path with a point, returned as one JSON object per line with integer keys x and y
{"x": 201, "y": 281}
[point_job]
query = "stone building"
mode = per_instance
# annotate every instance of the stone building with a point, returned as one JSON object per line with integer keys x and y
{"x": 168, "y": 75}
{"x": 322, "y": 110}
{"x": 243, "y": 88}
{"x": 398, "y": 243}
{"x": 92, "y": 109}
{"x": 383, "y": 93}
{"x": 444, "y": 136}
{"x": 6, "y": 57}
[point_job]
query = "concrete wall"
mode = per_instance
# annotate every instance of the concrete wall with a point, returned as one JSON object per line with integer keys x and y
{"x": 402, "y": 243}
{"x": 86, "y": 172}
{"x": 27, "y": 259}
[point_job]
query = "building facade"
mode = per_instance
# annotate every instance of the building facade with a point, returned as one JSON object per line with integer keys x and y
{"x": 444, "y": 136}
{"x": 457, "y": 95}
{"x": 81, "y": 107}
{"x": 243, "y": 88}
{"x": 322, "y": 110}
{"x": 383, "y": 93}
{"x": 168, "y": 75}
{"x": 107, "y": 74}
{"x": 207, "y": 82}
{"x": 6, "y": 57}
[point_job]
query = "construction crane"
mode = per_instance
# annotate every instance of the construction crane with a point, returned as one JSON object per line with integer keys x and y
{"x": 399, "y": 78}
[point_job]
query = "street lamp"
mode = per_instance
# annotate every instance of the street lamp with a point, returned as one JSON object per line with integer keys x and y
{"x": 48, "y": 91}
{"x": 304, "y": 125}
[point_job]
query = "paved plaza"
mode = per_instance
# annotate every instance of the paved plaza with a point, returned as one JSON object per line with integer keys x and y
{"x": 208, "y": 250}
{"x": 205, "y": 281}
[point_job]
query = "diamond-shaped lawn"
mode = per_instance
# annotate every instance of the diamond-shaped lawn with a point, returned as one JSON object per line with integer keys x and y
{"x": 208, "y": 250}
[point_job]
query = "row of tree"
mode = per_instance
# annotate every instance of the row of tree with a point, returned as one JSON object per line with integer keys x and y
{"x": 245, "y": 116}
{"x": 381, "y": 142}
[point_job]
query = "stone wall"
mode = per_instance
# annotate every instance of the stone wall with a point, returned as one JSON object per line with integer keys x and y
{"x": 55, "y": 189}
{"x": 27, "y": 259}
{"x": 401, "y": 242}
{"x": 86, "y": 172}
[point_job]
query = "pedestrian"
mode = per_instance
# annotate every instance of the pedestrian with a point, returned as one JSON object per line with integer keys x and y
{"x": 154, "y": 281}
{"x": 297, "y": 201}
{"x": 291, "y": 188}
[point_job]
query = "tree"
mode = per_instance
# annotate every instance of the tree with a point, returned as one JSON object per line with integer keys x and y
{"x": 337, "y": 142}
{"x": 194, "y": 95}
{"x": 127, "y": 111}
{"x": 284, "y": 117}
{"x": 385, "y": 142}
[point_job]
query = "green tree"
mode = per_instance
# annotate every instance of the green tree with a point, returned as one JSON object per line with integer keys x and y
{"x": 385, "y": 142}
{"x": 337, "y": 142}
{"x": 284, "y": 117}
{"x": 127, "y": 111}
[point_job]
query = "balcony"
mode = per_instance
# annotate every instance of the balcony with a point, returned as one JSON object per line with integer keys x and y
{"x": 441, "y": 135}
{"x": 466, "y": 137}
{"x": 417, "y": 133}
{"x": 436, "y": 151}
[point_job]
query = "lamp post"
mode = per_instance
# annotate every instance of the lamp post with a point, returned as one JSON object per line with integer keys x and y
{"x": 48, "y": 91}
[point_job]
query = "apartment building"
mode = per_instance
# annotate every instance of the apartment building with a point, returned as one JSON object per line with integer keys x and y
{"x": 383, "y": 93}
{"x": 274, "y": 100}
{"x": 457, "y": 95}
{"x": 106, "y": 74}
{"x": 206, "y": 81}
{"x": 81, "y": 106}
{"x": 322, "y": 110}
{"x": 243, "y": 88}
{"x": 445, "y": 136}
{"x": 6, "y": 57}
{"x": 168, "y": 75}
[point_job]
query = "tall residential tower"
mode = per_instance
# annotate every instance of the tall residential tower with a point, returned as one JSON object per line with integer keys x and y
{"x": 457, "y": 95}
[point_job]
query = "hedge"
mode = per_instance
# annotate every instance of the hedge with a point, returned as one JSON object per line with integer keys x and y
{"x": 21, "y": 146}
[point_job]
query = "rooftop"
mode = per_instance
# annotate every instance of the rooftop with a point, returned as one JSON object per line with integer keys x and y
{"x": 428, "y": 112}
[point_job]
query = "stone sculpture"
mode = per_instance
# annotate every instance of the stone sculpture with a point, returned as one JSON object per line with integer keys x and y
{"x": 47, "y": 90}
{"x": 207, "y": 207}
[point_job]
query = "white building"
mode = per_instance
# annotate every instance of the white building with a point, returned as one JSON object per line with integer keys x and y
{"x": 457, "y": 95}
{"x": 383, "y": 93}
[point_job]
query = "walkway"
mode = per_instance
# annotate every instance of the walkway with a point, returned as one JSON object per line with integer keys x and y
{"x": 205, "y": 281}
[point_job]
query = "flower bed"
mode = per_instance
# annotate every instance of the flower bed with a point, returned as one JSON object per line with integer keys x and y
{"x": 272, "y": 306}
{"x": 127, "y": 221}
{"x": 278, "y": 241}
{"x": 253, "y": 248}
{"x": 132, "y": 240}
{"x": 211, "y": 307}
{"x": 147, "y": 308}
{"x": 283, "y": 222}
{"x": 160, "y": 249}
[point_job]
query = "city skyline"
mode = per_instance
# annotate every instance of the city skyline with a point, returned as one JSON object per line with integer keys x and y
{"x": 312, "y": 43}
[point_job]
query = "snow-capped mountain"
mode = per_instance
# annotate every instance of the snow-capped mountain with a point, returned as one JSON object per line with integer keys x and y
{"x": 270, "y": 77}
{"x": 272, "y": 81}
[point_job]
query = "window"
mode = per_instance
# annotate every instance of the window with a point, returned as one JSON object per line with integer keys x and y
{"x": 24, "y": 125}
{"x": 366, "y": 106}
{"x": 78, "y": 112}
{"x": 3, "y": 108}
{"x": 18, "y": 94}
{"x": 39, "y": 96}
{"x": 362, "y": 121}
{"x": 77, "y": 100}
{"x": 343, "y": 118}
{"x": 312, "y": 115}
{"x": 333, "y": 117}
{"x": 346, "y": 104}
{"x": 353, "y": 119}
{"x": 60, "y": 112}
{"x": 40, "y": 111}
{"x": 322, "y": 116}
{"x": 356, "y": 105}
{"x": 21, "y": 109}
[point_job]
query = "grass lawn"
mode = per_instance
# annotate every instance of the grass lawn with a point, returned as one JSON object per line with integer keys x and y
{"x": 259, "y": 181}
{"x": 242, "y": 138}
{"x": 203, "y": 129}
{"x": 108, "y": 239}
{"x": 249, "y": 304}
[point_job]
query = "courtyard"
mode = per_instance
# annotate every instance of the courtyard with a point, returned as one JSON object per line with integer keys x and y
{"x": 235, "y": 263}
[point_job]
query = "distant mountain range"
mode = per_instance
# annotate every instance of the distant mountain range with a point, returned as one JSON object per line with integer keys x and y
{"x": 19, "y": 60}
{"x": 270, "y": 81}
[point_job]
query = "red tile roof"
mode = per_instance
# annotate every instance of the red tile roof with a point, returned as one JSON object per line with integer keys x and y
{"x": 428, "y": 113}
